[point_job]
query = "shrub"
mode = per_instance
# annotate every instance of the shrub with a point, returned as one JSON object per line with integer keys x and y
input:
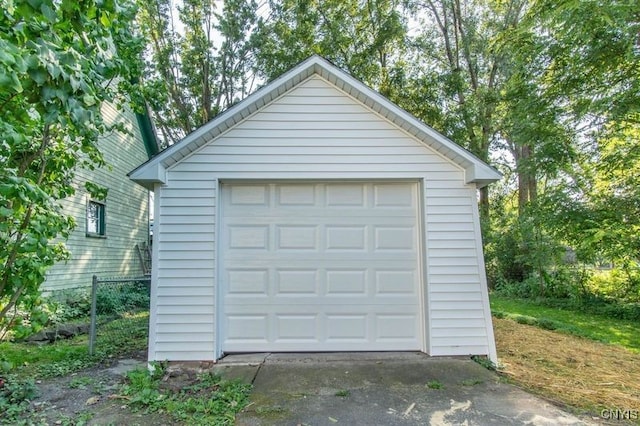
{"x": 621, "y": 284}
{"x": 72, "y": 304}
{"x": 118, "y": 298}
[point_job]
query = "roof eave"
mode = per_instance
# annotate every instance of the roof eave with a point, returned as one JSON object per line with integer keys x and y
{"x": 150, "y": 175}
{"x": 481, "y": 174}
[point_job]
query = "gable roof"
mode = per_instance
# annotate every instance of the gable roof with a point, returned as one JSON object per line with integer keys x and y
{"x": 154, "y": 170}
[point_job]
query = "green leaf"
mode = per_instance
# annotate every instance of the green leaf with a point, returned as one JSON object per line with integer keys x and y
{"x": 54, "y": 69}
{"x": 104, "y": 19}
{"x": 6, "y": 57}
{"x": 38, "y": 75}
{"x": 36, "y": 4}
{"x": 12, "y": 82}
{"x": 89, "y": 100}
{"x": 48, "y": 13}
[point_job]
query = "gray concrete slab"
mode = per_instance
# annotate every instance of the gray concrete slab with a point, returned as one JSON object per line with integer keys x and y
{"x": 383, "y": 389}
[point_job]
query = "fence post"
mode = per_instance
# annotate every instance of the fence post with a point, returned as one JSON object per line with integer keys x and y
{"x": 92, "y": 328}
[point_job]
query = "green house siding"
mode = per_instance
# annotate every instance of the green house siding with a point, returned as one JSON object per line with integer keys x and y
{"x": 125, "y": 214}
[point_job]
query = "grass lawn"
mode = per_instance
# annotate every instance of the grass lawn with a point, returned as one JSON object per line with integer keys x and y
{"x": 603, "y": 329}
{"x": 124, "y": 335}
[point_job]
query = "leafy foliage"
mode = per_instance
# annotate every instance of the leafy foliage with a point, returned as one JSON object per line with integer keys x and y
{"x": 366, "y": 38}
{"x": 193, "y": 74}
{"x": 546, "y": 90}
{"x": 210, "y": 400}
{"x": 120, "y": 298}
{"x": 15, "y": 397}
{"x": 60, "y": 61}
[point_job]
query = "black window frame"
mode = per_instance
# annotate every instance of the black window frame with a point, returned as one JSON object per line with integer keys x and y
{"x": 102, "y": 219}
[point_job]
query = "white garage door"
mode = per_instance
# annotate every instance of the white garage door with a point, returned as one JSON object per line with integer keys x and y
{"x": 320, "y": 267}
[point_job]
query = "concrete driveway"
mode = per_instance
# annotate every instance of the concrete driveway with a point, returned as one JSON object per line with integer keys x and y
{"x": 382, "y": 389}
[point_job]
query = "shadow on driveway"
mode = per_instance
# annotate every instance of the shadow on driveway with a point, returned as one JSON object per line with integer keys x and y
{"x": 399, "y": 388}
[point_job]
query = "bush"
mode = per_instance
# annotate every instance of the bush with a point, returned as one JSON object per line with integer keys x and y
{"x": 73, "y": 304}
{"x": 116, "y": 298}
{"x": 620, "y": 284}
{"x": 36, "y": 313}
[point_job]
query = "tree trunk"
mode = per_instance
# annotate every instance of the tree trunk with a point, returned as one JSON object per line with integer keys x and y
{"x": 527, "y": 183}
{"x": 484, "y": 204}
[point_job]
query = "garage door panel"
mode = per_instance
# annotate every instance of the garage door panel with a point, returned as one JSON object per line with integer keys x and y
{"x": 247, "y": 327}
{"x": 254, "y": 282}
{"x": 346, "y": 195}
{"x": 297, "y": 237}
{"x": 295, "y": 195}
{"x": 394, "y": 327}
{"x": 395, "y": 238}
{"x": 393, "y": 195}
{"x": 346, "y": 237}
{"x": 346, "y": 327}
{"x": 304, "y": 218}
{"x": 313, "y": 304}
{"x": 248, "y": 195}
{"x": 296, "y": 327}
{"x": 343, "y": 282}
{"x": 371, "y": 285}
{"x": 292, "y": 282}
{"x": 312, "y": 267}
{"x": 252, "y": 237}
{"x": 396, "y": 282}
{"x": 338, "y": 325}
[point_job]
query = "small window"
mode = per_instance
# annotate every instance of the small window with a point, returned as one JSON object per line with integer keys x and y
{"x": 95, "y": 219}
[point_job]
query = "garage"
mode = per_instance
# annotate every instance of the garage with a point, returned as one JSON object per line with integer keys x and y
{"x": 316, "y": 215}
{"x": 320, "y": 267}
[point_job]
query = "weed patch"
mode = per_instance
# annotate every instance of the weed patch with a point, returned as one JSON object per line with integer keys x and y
{"x": 82, "y": 382}
{"x": 15, "y": 397}
{"x": 211, "y": 400}
{"x": 471, "y": 382}
{"x": 434, "y": 384}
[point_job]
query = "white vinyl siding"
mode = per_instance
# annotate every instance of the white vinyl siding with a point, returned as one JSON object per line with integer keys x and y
{"x": 185, "y": 290}
{"x": 314, "y": 132}
{"x": 126, "y": 213}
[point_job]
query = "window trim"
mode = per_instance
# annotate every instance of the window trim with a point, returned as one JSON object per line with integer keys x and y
{"x": 102, "y": 216}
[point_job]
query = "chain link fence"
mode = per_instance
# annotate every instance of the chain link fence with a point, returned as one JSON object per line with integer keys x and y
{"x": 119, "y": 309}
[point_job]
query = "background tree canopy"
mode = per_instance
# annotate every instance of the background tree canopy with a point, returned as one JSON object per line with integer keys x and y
{"x": 547, "y": 91}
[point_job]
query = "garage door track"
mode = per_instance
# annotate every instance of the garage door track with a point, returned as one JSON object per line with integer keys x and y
{"x": 382, "y": 389}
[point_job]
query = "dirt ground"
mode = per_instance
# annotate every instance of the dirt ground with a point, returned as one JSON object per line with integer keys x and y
{"x": 570, "y": 371}
{"x": 90, "y": 397}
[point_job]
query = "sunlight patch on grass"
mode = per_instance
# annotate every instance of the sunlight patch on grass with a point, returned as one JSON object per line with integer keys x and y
{"x": 603, "y": 329}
